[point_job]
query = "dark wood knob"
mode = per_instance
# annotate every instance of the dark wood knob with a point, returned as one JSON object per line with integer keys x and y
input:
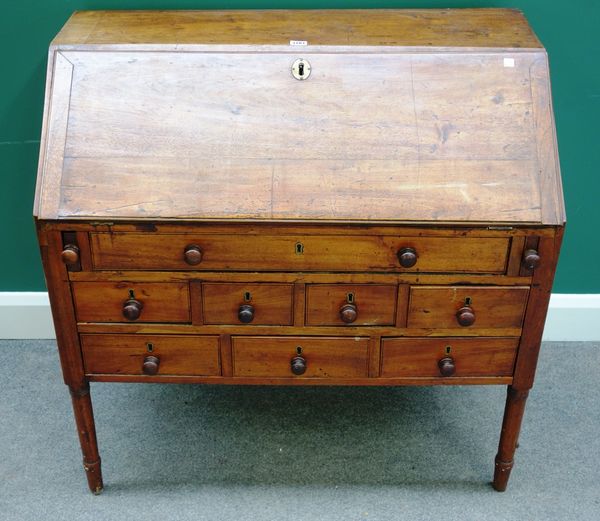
{"x": 531, "y": 259}
{"x": 447, "y": 366}
{"x": 465, "y": 316}
{"x": 132, "y": 309}
{"x": 192, "y": 254}
{"x": 150, "y": 365}
{"x": 298, "y": 365}
{"x": 407, "y": 257}
{"x": 348, "y": 313}
{"x": 246, "y": 313}
{"x": 70, "y": 255}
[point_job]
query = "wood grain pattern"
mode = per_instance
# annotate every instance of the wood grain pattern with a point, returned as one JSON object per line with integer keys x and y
{"x": 124, "y": 354}
{"x": 349, "y": 228}
{"x": 537, "y": 309}
{"x": 103, "y": 301}
{"x": 376, "y": 304}
{"x": 472, "y": 356}
{"x": 436, "y": 307}
{"x": 423, "y": 148}
{"x": 431, "y": 27}
{"x": 515, "y": 259}
{"x": 272, "y": 303}
{"x": 279, "y": 253}
{"x": 303, "y": 277}
{"x": 326, "y": 357}
{"x": 317, "y": 381}
{"x": 185, "y": 329}
{"x": 63, "y": 310}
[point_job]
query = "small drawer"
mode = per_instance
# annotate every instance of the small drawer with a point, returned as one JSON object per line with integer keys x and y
{"x": 447, "y": 357}
{"x": 131, "y": 301}
{"x": 253, "y": 252}
{"x": 351, "y": 304}
{"x": 161, "y": 355}
{"x": 468, "y": 307}
{"x": 300, "y": 357}
{"x": 258, "y": 304}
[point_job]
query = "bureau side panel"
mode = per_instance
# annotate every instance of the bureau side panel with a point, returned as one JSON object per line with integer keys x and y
{"x": 63, "y": 312}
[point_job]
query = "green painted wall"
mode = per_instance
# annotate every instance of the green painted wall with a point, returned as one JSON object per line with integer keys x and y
{"x": 568, "y": 30}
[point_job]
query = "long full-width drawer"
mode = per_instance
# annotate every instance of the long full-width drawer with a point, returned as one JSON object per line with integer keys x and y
{"x": 242, "y": 252}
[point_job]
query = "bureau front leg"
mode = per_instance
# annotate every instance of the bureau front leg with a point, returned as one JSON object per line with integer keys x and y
{"x": 86, "y": 429}
{"x": 509, "y": 437}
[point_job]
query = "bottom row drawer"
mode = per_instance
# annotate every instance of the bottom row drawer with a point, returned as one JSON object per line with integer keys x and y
{"x": 179, "y": 355}
{"x": 309, "y": 357}
{"x": 297, "y": 356}
{"x": 407, "y": 357}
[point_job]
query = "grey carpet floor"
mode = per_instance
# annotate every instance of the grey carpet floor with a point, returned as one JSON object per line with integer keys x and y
{"x": 281, "y": 453}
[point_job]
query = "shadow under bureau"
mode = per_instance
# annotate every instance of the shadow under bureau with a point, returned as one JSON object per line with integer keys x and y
{"x": 299, "y": 198}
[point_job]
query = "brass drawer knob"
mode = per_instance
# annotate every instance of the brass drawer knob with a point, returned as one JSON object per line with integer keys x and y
{"x": 465, "y": 316}
{"x": 531, "y": 259}
{"x": 447, "y": 366}
{"x": 348, "y": 313}
{"x": 150, "y": 365}
{"x": 298, "y": 365}
{"x": 132, "y": 309}
{"x": 192, "y": 254}
{"x": 70, "y": 255}
{"x": 407, "y": 257}
{"x": 246, "y": 313}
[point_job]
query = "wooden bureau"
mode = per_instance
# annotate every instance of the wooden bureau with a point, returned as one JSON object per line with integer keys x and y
{"x": 299, "y": 198}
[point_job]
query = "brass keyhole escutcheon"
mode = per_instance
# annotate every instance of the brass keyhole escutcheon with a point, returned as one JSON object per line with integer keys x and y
{"x": 301, "y": 69}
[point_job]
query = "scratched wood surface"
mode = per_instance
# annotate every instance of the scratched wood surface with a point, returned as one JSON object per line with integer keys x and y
{"x": 432, "y": 27}
{"x": 441, "y": 135}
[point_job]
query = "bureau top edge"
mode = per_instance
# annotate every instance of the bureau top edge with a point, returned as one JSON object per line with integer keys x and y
{"x": 488, "y": 28}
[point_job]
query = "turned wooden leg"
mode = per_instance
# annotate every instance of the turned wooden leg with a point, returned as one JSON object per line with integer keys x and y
{"x": 84, "y": 418}
{"x": 509, "y": 438}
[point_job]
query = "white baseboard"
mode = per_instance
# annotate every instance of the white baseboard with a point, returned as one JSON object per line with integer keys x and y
{"x": 570, "y": 317}
{"x": 25, "y": 314}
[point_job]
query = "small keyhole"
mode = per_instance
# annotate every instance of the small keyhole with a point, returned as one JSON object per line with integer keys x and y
{"x": 299, "y": 248}
{"x": 247, "y": 296}
{"x": 468, "y": 301}
{"x": 131, "y": 294}
{"x": 350, "y": 298}
{"x": 150, "y": 347}
{"x": 301, "y": 69}
{"x": 448, "y": 348}
{"x": 298, "y": 350}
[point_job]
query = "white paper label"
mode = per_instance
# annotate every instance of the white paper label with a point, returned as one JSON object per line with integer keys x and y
{"x": 509, "y": 62}
{"x": 298, "y": 42}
